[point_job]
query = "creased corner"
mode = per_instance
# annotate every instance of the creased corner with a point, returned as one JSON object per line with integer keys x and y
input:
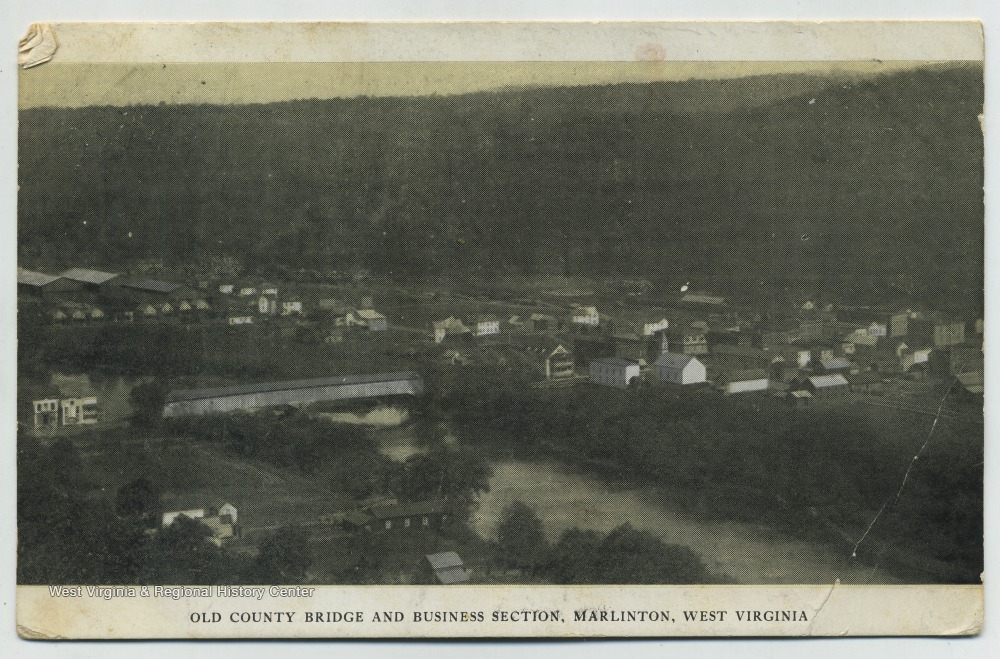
{"x": 29, "y": 634}
{"x": 37, "y": 46}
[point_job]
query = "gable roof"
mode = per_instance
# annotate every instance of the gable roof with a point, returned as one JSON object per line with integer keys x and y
{"x": 153, "y": 285}
{"x": 674, "y": 360}
{"x": 369, "y": 314}
{"x": 88, "y": 276}
{"x": 836, "y": 362}
{"x": 289, "y": 385}
{"x": 32, "y": 278}
{"x": 821, "y": 381}
{"x": 448, "y": 567}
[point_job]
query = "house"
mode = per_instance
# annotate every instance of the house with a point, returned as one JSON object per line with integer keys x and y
{"x": 835, "y": 365}
{"x": 402, "y": 516}
{"x": 154, "y": 288}
{"x": 38, "y": 283}
{"x": 585, "y": 316}
{"x": 810, "y": 329}
{"x": 827, "y": 386}
{"x": 449, "y": 327}
{"x": 864, "y": 382}
{"x": 267, "y": 305}
{"x": 373, "y": 320}
{"x": 240, "y": 320}
{"x": 448, "y": 567}
{"x": 248, "y": 291}
{"x": 799, "y": 398}
{"x": 226, "y": 289}
{"x": 679, "y": 369}
{"x": 184, "y": 306}
{"x": 46, "y": 412}
{"x": 614, "y": 371}
{"x": 166, "y": 309}
{"x": 79, "y": 411}
{"x": 221, "y": 519}
{"x": 201, "y": 305}
{"x": 910, "y": 358}
{"x": 487, "y": 325}
{"x": 540, "y": 322}
{"x": 269, "y": 290}
{"x": 552, "y": 357}
{"x": 649, "y": 329}
{"x": 147, "y": 310}
{"x": 291, "y": 307}
{"x": 92, "y": 280}
{"x": 933, "y": 330}
{"x": 455, "y": 358}
{"x": 743, "y": 381}
{"x": 688, "y": 342}
{"x": 515, "y": 324}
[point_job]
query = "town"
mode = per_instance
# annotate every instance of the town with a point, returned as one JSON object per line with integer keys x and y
{"x": 369, "y": 348}
{"x": 720, "y": 329}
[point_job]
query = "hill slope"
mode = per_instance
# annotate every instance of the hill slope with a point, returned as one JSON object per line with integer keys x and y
{"x": 835, "y": 182}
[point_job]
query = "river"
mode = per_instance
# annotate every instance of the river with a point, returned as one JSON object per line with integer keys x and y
{"x": 564, "y": 497}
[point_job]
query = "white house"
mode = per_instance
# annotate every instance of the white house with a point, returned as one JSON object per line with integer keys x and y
{"x": 878, "y": 329}
{"x": 266, "y": 305}
{"x": 679, "y": 369}
{"x": 450, "y": 326}
{"x": 585, "y": 316}
{"x": 46, "y": 412}
{"x": 248, "y": 291}
{"x": 649, "y": 329}
{"x": 614, "y": 371}
{"x": 373, "y": 320}
{"x": 241, "y": 320}
{"x": 291, "y": 307}
{"x": 487, "y": 325}
{"x": 226, "y": 289}
{"x": 79, "y": 411}
{"x": 270, "y": 291}
{"x": 194, "y": 513}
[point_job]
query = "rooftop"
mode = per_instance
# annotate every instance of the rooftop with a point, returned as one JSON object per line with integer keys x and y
{"x": 153, "y": 286}
{"x": 821, "y": 381}
{"x": 88, "y": 276}
{"x": 32, "y": 278}
{"x": 289, "y": 385}
{"x": 674, "y": 360}
{"x": 615, "y": 361}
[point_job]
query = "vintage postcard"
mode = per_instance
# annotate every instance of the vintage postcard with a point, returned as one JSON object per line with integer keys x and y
{"x": 500, "y": 330}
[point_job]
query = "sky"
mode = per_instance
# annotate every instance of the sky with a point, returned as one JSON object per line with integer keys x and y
{"x": 73, "y": 84}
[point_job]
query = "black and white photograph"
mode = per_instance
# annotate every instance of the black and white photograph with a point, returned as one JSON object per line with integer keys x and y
{"x": 499, "y": 323}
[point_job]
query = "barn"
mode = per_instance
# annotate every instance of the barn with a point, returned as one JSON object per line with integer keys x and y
{"x": 196, "y": 402}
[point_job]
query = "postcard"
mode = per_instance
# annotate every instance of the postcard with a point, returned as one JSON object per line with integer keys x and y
{"x": 403, "y": 330}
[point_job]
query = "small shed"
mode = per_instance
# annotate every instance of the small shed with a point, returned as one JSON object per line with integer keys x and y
{"x": 448, "y": 567}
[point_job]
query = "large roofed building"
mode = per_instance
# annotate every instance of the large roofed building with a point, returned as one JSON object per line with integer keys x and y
{"x": 194, "y": 402}
{"x": 88, "y": 277}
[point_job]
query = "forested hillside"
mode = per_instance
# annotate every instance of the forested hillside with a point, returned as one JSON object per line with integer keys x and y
{"x": 833, "y": 181}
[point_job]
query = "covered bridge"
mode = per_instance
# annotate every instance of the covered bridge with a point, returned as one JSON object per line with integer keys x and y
{"x": 194, "y": 402}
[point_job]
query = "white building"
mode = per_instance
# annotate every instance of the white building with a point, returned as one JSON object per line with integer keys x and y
{"x": 46, "y": 412}
{"x": 248, "y": 291}
{"x": 614, "y": 372}
{"x": 585, "y": 316}
{"x": 649, "y": 329}
{"x": 679, "y": 369}
{"x": 241, "y": 320}
{"x": 741, "y": 382}
{"x": 291, "y": 307}
{"x": 79, "y": 411}
{"x": 226, "y": 288}
{"x": 487, "y": 325}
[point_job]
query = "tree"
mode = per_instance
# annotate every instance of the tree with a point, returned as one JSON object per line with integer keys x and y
{"x": 140, "y": 499}
{"x": 458, "y": 474}
{"x": 572, "y": 559}
{"x": 519, "y": 539}
{"x": 283, "y": 557}
{"x": 147, "y": 402}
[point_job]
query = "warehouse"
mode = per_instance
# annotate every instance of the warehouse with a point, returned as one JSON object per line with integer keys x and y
{"x": 194, "y": 402}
